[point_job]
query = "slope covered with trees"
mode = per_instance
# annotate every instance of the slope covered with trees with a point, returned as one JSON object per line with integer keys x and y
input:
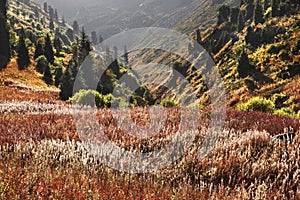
{"x": 44, "y": 45}
{"x": 4, "y": 36}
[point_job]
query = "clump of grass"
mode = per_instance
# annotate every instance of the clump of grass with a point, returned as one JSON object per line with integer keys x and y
{"x": 168, "y": 102}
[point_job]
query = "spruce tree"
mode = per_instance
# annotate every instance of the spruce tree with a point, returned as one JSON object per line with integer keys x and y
{"x": 249, "y": 35}
{"x": 51, "y": 25}
{"x": 115, "y": 52}
{"x": 45, "y": 7}
{"x": 70, "y": 34}
{"x": 23, "y": 59}
{"x": 63, "y": 21}
{"x": 249, "y": 10}
{"x": 4, "y": 36}
{"x": 266, "y": 4}
{"x": 87, "y": 74}
{"x": 47, "y": 77}
{"x": 75, "y": 27}
{"x": 57, "y": 45}
{"x": 55, "y": 15}
{"x": 224, "y": 13}
{"x": 198, "y": 35}
{"x": 241, "y": 21}
{"x": 51, "y": 12}
{"x": 234, "y": 15}
{"x": 126, "y": 60}
{"x": 84, "y": 45}
{"x": 100, "y": 39}
{"x": 49, "y": 49}
{"x": 275, "y": 8}
{"x": 258, "y": 13}
{"x": 58, "y": 76}
{"x": 38, "y": 50}
{"x": 66, "y": 87}
{"x": 94, "y": 38}
{"x": 244, "y": 67}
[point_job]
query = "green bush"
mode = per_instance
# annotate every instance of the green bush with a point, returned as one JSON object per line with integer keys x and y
{"x": 92, "y": 98}
{"x": 258, "y": 104}
{"x": 168, "y": 103}
{"x": 138, "y": 101}
{"x": 288, "y": 112}
{"x": 41, "y": 64}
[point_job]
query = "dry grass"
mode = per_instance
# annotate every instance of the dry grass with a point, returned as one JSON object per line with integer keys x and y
{"x": 38, "y": 161}
{"x": 26, "y": 85}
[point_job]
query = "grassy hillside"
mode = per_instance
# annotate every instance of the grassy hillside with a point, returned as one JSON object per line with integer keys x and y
{"x": 269, "y": 68}
{"x": 53, "y": 150}
{"x": 27, "y": 85}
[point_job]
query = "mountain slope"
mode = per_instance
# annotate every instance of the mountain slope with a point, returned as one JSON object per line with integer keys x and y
{"x": 28, "y": 84}
{"x": 108, "y": 18}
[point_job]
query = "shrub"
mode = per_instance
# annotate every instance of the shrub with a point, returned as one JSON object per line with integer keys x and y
{"x": 284, "y": 55}
{"x": 92, "y": 98}
{"x": 288, "y": 112}
{"x": 168, "y": 103}
{"x": 138, "y": 101}
{"x": 279, "y": 100}
{"x": 258, "y": 104}
{"x": 249, "y": 82}
{"x": 41, "y": 64}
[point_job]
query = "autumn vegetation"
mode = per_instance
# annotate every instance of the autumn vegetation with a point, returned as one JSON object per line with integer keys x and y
{"x": 45, "y": 155}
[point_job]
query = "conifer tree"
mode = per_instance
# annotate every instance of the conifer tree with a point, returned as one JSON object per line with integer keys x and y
{"x": 45, "y": 7}
{"x": 55, "y": 15}
{"x": 249, "y": 10}
{"x": 87, "y": 74}
{"x": 249, "y": 34}
{"x": 51, "y": 25}
{"x": 23, "y": 59}
{"x": 126, "y": 60}
{"x": 94, "y": 38}
{"x": 275, "y": 8}
{"x": 234, "y": 15}
{"x": 38, "y": 50}
{"x": 57, "y": 45}
{"x": 51, "y": 12}
{"x": 115, "y": 52}
{"x": 244, "y": 68}
{"x": 63, "y": 21}
{"x": 266, "y": 4}
{"x": 58, "y": 76}
{"x": 224, "y": 13}
{"x": 49, "y": 53}
{"x": 241, "y": 21}
{"x": 67, "y": 83}
{"x": 4, "y": 36}
{"x": 258, "y": 13}
{"x": 85, "y": 45}
{"x": 70, "y": 34}
{"x": 75, "y": 27}
{"x": 100, "y": 39}
{"x": 47, "y": 77}
{"x": 198, "y": 35}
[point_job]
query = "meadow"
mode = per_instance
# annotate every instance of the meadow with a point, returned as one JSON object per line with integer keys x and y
{"x": 44, "y": 157}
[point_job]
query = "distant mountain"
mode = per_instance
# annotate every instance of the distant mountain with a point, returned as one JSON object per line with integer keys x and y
{"x": 111, "y": 17}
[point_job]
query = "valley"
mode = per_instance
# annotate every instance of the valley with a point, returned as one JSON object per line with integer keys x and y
{"x": 84, "y": 120}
